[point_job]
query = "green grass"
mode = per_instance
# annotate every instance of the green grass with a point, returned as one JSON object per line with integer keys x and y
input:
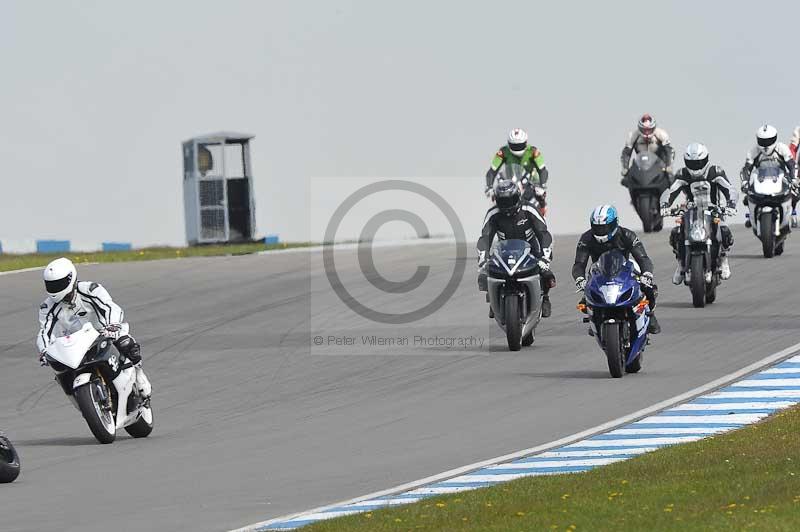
{"x": 17, "y": 262}
{"x": 744, "y": 480}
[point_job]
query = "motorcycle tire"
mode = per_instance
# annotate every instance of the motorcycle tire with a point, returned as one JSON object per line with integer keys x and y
{"x": 643, "y": 207}
{"x": 513, "y": 322}
{"x": 90, "y": 410}
{"x": 612, "y": 343}
{"x": 768, "y": 235}
{"x": 697, "y": 283}
{"x": 9, "y": 461}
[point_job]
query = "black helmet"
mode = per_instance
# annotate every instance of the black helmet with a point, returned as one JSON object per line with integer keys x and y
{"x": 507, "y": 196}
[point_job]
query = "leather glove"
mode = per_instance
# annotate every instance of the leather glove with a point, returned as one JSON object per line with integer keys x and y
{"x": 647, "y": 279}
{"x": 544, "y": 265}
{"x": 112, "y": 331}
{"x": 539, "y": 191}
{"x": 547, "y": 254}
{"x": 623, "y": 172}
{"x": 481, "y": 259}
{"x": 664, "y": 209}
{"x": 488, "y": 192}
{"x": 730, "y": 211}
{"x": 43, "y": 359}
{"x": 580, "y": 284}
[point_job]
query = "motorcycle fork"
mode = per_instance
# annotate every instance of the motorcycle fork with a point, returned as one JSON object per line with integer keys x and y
{"x": 105, "y": 392}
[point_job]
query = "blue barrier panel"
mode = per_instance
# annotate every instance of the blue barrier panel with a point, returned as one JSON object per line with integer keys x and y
{"x": 117, "y": 246}
{"x": 271, "y": 239}
{"x": 1, "y": 248}
{"x": 52, "y": 246}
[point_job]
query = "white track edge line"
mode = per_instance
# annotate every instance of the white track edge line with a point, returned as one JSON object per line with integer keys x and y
{"x": 605, "y": 427}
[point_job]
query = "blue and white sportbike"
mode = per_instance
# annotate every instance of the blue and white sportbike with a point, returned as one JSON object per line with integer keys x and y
{"x": 618, "y": 312}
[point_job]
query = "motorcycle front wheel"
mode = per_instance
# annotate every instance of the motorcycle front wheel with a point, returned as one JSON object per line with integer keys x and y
{"x": 9, "y": 461}
{"x": 767, "y": 234}
{"x": 612, "y": 342}
{"x": 94, "y": 401}
{"x": 698, "y": 281}
{"x": 513, "y": 322}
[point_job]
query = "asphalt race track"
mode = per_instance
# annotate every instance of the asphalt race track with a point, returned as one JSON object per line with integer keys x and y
{"x": 253, "y": 421}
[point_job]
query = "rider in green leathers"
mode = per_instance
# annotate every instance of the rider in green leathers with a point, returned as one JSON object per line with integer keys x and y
{"x": 530, "y": 158}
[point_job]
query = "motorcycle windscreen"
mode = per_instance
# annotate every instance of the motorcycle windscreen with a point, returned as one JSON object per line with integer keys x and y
{"x": 514, "y": 172}
{"x": 769, "y": 178}
{"x": 510, "y": 252}
{"x": 646, "y": 160}
{"x": 646, "y": 168}
{"x": 610, "y": 264}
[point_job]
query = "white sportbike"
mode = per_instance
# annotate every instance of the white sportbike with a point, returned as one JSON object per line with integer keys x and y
{"x": 101, "y": 383}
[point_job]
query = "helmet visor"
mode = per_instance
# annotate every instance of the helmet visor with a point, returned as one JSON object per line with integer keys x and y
{"x": 603, "y": 229}
{"x": 766, "y": 143}
{"x": 696, "y": 164}
{"x": 647, "y": 131}
{"x": 54, "y": 287}
{"x": 517, "y": 146}
{"x": 507, "y": 203}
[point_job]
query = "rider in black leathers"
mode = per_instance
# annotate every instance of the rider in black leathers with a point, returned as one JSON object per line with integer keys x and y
{"x": 512, "y": 218}
{"x": 606, "y": 234}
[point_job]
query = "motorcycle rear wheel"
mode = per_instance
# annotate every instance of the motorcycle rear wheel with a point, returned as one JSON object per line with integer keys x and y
{"x": 528, "y": 339}
{"x": 711, "y": 289}
{"x": 142, "y": 428}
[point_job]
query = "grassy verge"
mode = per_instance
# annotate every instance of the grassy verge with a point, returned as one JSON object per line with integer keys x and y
{"x": 17, "y": 262}
{"x": 744, "y": 480}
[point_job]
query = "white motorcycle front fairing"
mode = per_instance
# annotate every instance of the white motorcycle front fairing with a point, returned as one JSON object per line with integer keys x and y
{"x": 70, "y": 351}
{"x": 769, "y": 187}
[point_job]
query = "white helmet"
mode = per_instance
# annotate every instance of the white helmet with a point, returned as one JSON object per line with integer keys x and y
{"x": 517, "y": 141}
{"x": 696, "y": 159}
{"x": 767, "y": 138}
{"x": 60, "y": 278}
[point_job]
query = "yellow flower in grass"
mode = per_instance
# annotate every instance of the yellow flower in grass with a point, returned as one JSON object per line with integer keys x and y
{"x": 440, "y": 505}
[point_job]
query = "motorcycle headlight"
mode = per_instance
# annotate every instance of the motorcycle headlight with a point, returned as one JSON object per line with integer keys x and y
{"x": 697, "y": 233}
{"x": 610, "y": 293}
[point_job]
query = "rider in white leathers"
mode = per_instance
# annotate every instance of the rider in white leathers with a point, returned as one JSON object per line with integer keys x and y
{"x": 71, "y": 303}
{"x": 768, "y": 147}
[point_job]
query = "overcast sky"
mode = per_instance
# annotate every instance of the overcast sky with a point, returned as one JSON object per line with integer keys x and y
{"x": 97, "y": 97}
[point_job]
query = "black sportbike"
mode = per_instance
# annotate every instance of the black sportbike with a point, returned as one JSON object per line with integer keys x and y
{"x": 646, "y": 180}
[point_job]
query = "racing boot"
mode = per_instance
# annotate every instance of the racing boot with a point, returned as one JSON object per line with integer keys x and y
{"x": 653, "y": 327}
{"x": 747, "y": 222}
{"x": 724, "y": 268}
{"x": 547, "y": 309}
{"x": 794, "y": 218}
{"x": 679, "y": 275}
{"x": 142, "y": 382}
